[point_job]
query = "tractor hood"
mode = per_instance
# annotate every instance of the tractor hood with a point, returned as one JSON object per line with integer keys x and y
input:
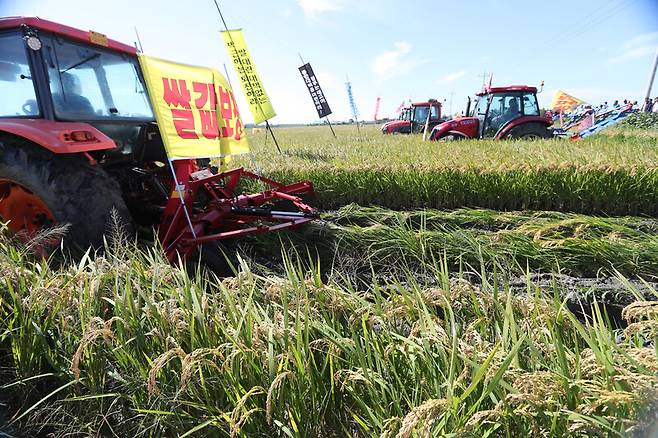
{"x": 467, "y": 126}
{"x": 395, "y": 125}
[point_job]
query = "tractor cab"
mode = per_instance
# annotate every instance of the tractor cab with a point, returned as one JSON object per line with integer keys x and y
{"x": 51, "y": 77}
{"x": 412, "y": 119}
{"x": 500, "y": 112}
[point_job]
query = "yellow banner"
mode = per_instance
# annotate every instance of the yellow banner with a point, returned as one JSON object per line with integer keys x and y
{"x": 259, "y": 103}
{"x": 195, "y": 110}
{"x": 564, "y": 102}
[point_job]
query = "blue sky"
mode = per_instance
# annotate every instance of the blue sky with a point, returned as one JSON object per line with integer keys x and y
{"x": 594, "y": 49}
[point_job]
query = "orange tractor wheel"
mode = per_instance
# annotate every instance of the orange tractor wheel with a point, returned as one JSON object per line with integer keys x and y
{"x": 39, "y": 189}
{"x": 24, "y": 212}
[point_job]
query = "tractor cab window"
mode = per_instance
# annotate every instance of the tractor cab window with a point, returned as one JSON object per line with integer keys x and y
{"x": 530, "y": 107}
{"x": 420, "y": 114}
{"x": 504, "y": 107}
{"x": 480, "y": 107}
{"x": 434, "y": 112}
{"x": 90, "y": 83}
{"x": 16, "y": 86}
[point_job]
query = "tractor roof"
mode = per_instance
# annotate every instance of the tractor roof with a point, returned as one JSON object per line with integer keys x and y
{"x": 425, "y": 103}
{"x": 67, "y": 31}
{"x": 507, "y": 89}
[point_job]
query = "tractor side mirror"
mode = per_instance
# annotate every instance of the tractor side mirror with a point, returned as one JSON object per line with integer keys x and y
{"x": 9, "y": 72}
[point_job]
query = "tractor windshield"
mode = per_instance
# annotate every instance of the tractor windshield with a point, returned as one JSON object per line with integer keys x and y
{"x": 16, "y": 86}
{"x": 420, "y": 114}
{"x": 91, "y": 83}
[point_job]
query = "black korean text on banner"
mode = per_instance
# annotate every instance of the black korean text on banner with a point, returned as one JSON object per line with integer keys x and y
{"x": 314, "y": 89}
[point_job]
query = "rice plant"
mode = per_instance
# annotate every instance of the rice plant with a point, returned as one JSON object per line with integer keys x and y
{"x": 124, "y": 344}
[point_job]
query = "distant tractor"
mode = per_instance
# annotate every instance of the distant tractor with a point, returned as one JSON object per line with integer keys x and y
{"x": 499, "y": 113}
{"x": 413, "y": 118}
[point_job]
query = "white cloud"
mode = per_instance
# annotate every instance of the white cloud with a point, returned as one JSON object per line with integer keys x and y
{"x": 395, "y": 62}
{"x": 632, "y": 54}
{"x": 451, "y": 77}
{"x": 637, "y": 47}
{"x": 315, "y": 7}
{"x": 651, "y": 37}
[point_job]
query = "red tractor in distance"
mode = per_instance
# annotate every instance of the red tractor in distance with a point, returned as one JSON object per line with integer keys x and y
{"x": 78, "y": 140}
{"x": 499, "y": 112}
{"x": 413, "y": 118}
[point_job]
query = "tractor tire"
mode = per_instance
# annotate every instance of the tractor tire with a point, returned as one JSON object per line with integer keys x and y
{"x": 209, "y": 258}
{"x": 451, "y": 136}
{"x": 68, "y": 189}
{"x": 529, "y": 131}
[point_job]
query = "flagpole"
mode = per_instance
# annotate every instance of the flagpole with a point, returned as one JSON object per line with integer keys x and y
{"x": 177, "y": 184}
{"x": 267, "y": 125}
{"x": 651, "y": 78}
{"x": 325, "y": 117}
{"x": 330, "y": 127}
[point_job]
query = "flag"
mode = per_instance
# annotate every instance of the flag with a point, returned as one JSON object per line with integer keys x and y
{"x": 564, "y": 102}
{"x": 350, "y": 96}
{"x": 259, "y": 104}
{"x": 195, "y": 109}
{"x": 379, "y": 99}
{"x": 320, "y": 102}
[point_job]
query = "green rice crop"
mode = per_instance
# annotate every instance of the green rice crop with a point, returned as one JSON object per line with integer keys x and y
{"x": 606, "y": 174}
{"x": 125, "y": 345}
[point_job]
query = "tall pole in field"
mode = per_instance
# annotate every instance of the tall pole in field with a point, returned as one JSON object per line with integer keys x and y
{"x": 350, "y": 97}
{"x": 267, "y": 124}
{"x": 484, "y": 78}
{"x": 652, "y": 77}
{"x": 321, "y": 105}
{"x": 427, "y": 121}
{"x": 452, "y": 93}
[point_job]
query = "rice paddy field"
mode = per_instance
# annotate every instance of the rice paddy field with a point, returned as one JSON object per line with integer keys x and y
{"x": 612, "y": 174}
{"x": 462, "y": 289}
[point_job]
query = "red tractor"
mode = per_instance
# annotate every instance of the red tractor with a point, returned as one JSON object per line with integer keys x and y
{"x": 78, "y": 140}
{"x": 413, "y": 118}
{"x": 499, "y": 112}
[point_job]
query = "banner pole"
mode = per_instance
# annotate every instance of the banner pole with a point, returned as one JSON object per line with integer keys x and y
{"x": 427, "y": 121}
{"x": 267, "y": 124}
{"x": 252, "y": 156}
{"x": 330, "y": 127}
{"x": 182, "y": 199}
{"x": 326, "y": 117}
{"x": 248, "y": 82}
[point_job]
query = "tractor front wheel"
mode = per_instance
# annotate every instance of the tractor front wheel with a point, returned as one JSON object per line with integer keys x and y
{"x": 529, "y": 131}
{"x": 39, "y": 189}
